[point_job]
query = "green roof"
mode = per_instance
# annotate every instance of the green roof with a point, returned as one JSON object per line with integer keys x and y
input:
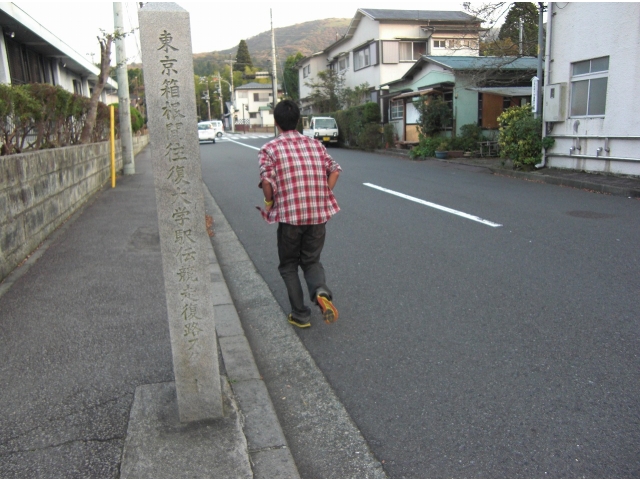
{"x": 476, "y": 63}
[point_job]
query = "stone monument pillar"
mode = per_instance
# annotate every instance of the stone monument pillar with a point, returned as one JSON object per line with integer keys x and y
{"x": 167, "y": 62}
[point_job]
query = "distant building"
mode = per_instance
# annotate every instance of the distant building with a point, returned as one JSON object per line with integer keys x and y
{"x": 591, "y": 93}
{"x": 253, "y": 104}
{"x": 29, "y": 53}
{"x": 381, "y": 45}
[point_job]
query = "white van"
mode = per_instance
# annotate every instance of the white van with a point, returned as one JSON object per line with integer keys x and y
{"x": 324, "y": 129}
{"x": 216, "y": 125}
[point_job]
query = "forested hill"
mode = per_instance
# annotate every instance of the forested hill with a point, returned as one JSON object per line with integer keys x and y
{"x": 306, "y": 38}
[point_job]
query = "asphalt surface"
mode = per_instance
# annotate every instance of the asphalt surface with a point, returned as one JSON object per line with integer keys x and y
{"x": 463, "y": 349}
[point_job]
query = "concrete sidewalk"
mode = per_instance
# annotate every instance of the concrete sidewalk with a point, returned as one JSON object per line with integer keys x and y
{"x": 86, "y": 377}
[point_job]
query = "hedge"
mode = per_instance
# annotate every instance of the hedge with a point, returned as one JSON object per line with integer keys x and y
{"x": 359, "y": 126}
{"x": 37, "y": 116}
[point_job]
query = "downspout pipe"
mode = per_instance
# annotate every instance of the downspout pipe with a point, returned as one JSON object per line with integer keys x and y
{"x": 547, "y": 72}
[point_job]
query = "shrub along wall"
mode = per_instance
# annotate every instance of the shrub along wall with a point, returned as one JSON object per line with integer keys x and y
{"x": 359, "y": 126}
{"x": 40, "y": 189}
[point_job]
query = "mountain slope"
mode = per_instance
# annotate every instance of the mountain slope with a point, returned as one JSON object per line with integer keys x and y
{"x": 306, "y": 38}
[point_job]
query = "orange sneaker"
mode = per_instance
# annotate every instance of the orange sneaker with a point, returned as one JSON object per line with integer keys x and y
{"x": 329, "y": 311}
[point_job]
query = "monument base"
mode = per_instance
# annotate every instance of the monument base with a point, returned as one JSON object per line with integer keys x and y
{"x": 159, "y": 446}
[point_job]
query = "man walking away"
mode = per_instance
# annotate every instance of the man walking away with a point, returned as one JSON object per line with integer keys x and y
{"x": 297, "y": 177}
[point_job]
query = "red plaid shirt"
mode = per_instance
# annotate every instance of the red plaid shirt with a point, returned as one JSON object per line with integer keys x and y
{"x": 297, "y": 168}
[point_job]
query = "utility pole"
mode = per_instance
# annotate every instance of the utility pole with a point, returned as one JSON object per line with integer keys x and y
{"x": 274, "y": 76}
{"x": 540, "y": 58}
{"x": 221, "y": 97}
{"x": 521, "y": 25}
{"x": 126, "y": 137}
{"x": 233, "y": 127}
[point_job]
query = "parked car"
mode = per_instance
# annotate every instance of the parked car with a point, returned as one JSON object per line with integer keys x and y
{"x": 324, "y": 129}
{"x": 217, "y": 126}
{"x": 206, "y": 132}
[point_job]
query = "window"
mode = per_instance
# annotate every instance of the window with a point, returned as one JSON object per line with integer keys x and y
{"x": 390, "y": 53}
{"x": 412, "y": 51}
{"x": 456, "y": 43}
{"x": 242, "y": 94}
{"x": 25, "y": 65}
{"x": 589, "y": 87}
{"x": 397, "y": 109}
{"x": 253, "y": 115}
{"x": 261, "y": 97}
{"x": 343, "y": 64}
{"x": 77, "y": 87}
{"x": 365, "y": 57}
{"x": 306, "y": 71}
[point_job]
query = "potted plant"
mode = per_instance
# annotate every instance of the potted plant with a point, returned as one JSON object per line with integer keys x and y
{"x": 443, "y": 150}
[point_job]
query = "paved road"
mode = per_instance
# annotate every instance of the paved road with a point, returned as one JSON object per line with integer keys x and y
{"x": 467, "y": 349}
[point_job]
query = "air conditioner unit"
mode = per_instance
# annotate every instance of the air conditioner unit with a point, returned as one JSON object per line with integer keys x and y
{"x": 555, "y": 100}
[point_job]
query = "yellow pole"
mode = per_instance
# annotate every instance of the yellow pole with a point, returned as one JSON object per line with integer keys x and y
{"x": 113, "y": 149}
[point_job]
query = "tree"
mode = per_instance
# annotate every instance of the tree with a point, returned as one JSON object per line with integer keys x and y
{"x": 291, "y": 76}
{"x": 435, "y": 115}
{"x": 243, "y": 59}
{"x": 326, "y": 91}
{"x": 505, "y": 41}
{"x": 528, "y": 13}
{"x": 136, "y": 88}
{"x": 352, "y": 97}
{"x": 105, "y": 42}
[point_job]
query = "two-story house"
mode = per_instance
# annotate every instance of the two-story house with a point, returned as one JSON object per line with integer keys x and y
{"x": 592, "y": 94}
{"x": 381, "y": 45}
{"x": 29, "y": 53}
{"x": 253, "y": 104}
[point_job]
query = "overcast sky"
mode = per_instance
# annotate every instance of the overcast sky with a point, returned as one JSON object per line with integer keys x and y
{"x": 215, "y": 25}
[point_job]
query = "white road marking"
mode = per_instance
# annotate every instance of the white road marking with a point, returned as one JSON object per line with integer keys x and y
{"x": 434, "y": 205}
{"x": 244, "y": 144}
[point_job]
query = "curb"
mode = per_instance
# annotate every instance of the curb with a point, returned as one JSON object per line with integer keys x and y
{"x": 268, "y": 450}
{"x": 569, "y": 182}
{"x": 542, "y": 176}
{"x": 323, "y": 438}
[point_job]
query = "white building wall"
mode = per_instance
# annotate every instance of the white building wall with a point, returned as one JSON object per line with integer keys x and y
{"x": 582, "y": 31}
{"x": 317, "y": 63}
{"x": 367, "y": 30}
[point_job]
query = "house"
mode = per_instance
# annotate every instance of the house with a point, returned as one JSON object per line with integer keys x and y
{"x": 479, "y": 89}
{"x": 591, "y": 94}
{"x": 253, "y": 104}
{"x": 381, "y": 45}
{"x": 29, "y": 53}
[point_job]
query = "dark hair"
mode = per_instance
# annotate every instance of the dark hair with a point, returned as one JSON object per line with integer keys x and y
{"x": 287, "y": 115}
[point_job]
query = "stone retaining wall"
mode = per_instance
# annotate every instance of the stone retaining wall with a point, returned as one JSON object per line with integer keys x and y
{"x": 39, "y": 190}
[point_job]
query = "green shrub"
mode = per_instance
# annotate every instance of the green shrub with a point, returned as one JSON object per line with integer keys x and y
{"x": 37, "y": 116}
{"x": 520, "y": 137}
{"x": 369, "y": 137}
{"x": 435, "y": 115}
{"x": 389, "y": 135}
{"x": 352, "y": 122}
{"x": 470, "y": 135}
{"x": 444, "y": 145}
{"x": 426, "y": 148}
{"x": 137, "y": 122}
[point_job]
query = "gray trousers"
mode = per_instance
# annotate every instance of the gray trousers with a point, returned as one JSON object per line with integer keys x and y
{"x": 301, "y": 246}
